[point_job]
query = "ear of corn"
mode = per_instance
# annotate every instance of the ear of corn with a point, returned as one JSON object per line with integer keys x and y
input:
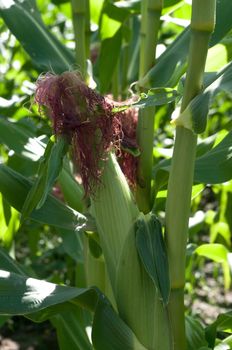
{"x": 137, "y": 298}
{"x": 115, "y": 211}
{"x": 96, "y": 273}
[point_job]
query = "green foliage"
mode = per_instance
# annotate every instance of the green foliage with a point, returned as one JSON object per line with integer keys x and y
{"x": 46, "y": 51}
{"x": 48, "y": 172}
{"x": 152, "y": 252}
{"x": 53, "y": 211}
{"x": 62, "y": 234}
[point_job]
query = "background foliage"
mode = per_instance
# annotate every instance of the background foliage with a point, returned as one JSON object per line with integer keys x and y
{"x": 47, "y": 242}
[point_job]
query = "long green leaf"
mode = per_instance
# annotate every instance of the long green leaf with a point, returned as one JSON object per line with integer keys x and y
{"x": 41, "y": 300}
{"x": 19, "y": 140}
{"x": 108, "y": 58}
{"x": 215, "y": 166}
{"x": 24, "y": 21}
{"x": 22, "y": 295}
{"x": 120, "y": 335}
{"x": 154, "y": 97}
{"x": 195, "y": 334}
{"x": 222, "y": 323}
{"x": 15, "y": 187}
{"x": 152, "y": 252}
{"x": 172, "y": 63}
{"x": 8, "y": 264}
{"x": 50, "y": 167}
{"x": 195, "y": 115}
{"x": 70, "y": 329}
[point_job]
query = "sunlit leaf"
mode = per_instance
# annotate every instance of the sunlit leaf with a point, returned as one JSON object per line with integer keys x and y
{"x": 46, "y": 51}
{"x": 172, "y": 63}
{"x": 53, "y": 212}
{"x": 218, "y": 253}
{"x": 41, "y": 300}
{"x": 19, "y": 140}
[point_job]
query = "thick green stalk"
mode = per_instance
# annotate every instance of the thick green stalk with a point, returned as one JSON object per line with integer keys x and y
{"x": 80, "y": 22}
{"x": 151, "y": 11}
{"x": 150, "y": 24}
{"x": 182, "y": 168}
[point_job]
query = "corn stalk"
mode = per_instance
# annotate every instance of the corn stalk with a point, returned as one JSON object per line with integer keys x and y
{"x": 150, "y": 23}
{"x": 80, "y": 12}
{"x": 182, "y": 167}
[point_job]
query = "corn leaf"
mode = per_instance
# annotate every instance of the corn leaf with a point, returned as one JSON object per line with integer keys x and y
{"x": 70, "y": 329}
{"x": 41, "y": 300}
{"x": 215, "y": 166}
{"x": 195, "y": 334}
{"x": 119, "y": 334}
{"x": 172, "y": 63}
{"x": 72, "y": 244}
{"x": 222, "y": 346}
{"x": 197, "y": 110}
{"x": 222, "y": 323}
{"x": 26, "y": 295}
{"x": 8, "y": 264}
{"x": 108, "y": 58}
{"x": 19, "y": 140}
{"x": 9, "y": 223}
{"x": 154, "y": 97}
{"x": 152, "y": 252}
{"x": 218, "y": 253}
{"x": 46, "y": 51}
{"x": 28, "y": 150}
{"x": 225, "y": 344}
{"x": 53, "y": 212}
{"x": 50, "y": 167}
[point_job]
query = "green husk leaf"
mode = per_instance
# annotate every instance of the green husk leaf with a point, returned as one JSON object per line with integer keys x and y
{"x": 138, "y": 300}
{"x": 152, "y": 252}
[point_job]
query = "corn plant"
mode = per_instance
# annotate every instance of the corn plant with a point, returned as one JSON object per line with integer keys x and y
{"x": 101, "y": 121}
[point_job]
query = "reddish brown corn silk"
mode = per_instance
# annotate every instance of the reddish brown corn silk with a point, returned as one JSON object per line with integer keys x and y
{"x": 84, "y": 118}
{"x": 127, "y": 161}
